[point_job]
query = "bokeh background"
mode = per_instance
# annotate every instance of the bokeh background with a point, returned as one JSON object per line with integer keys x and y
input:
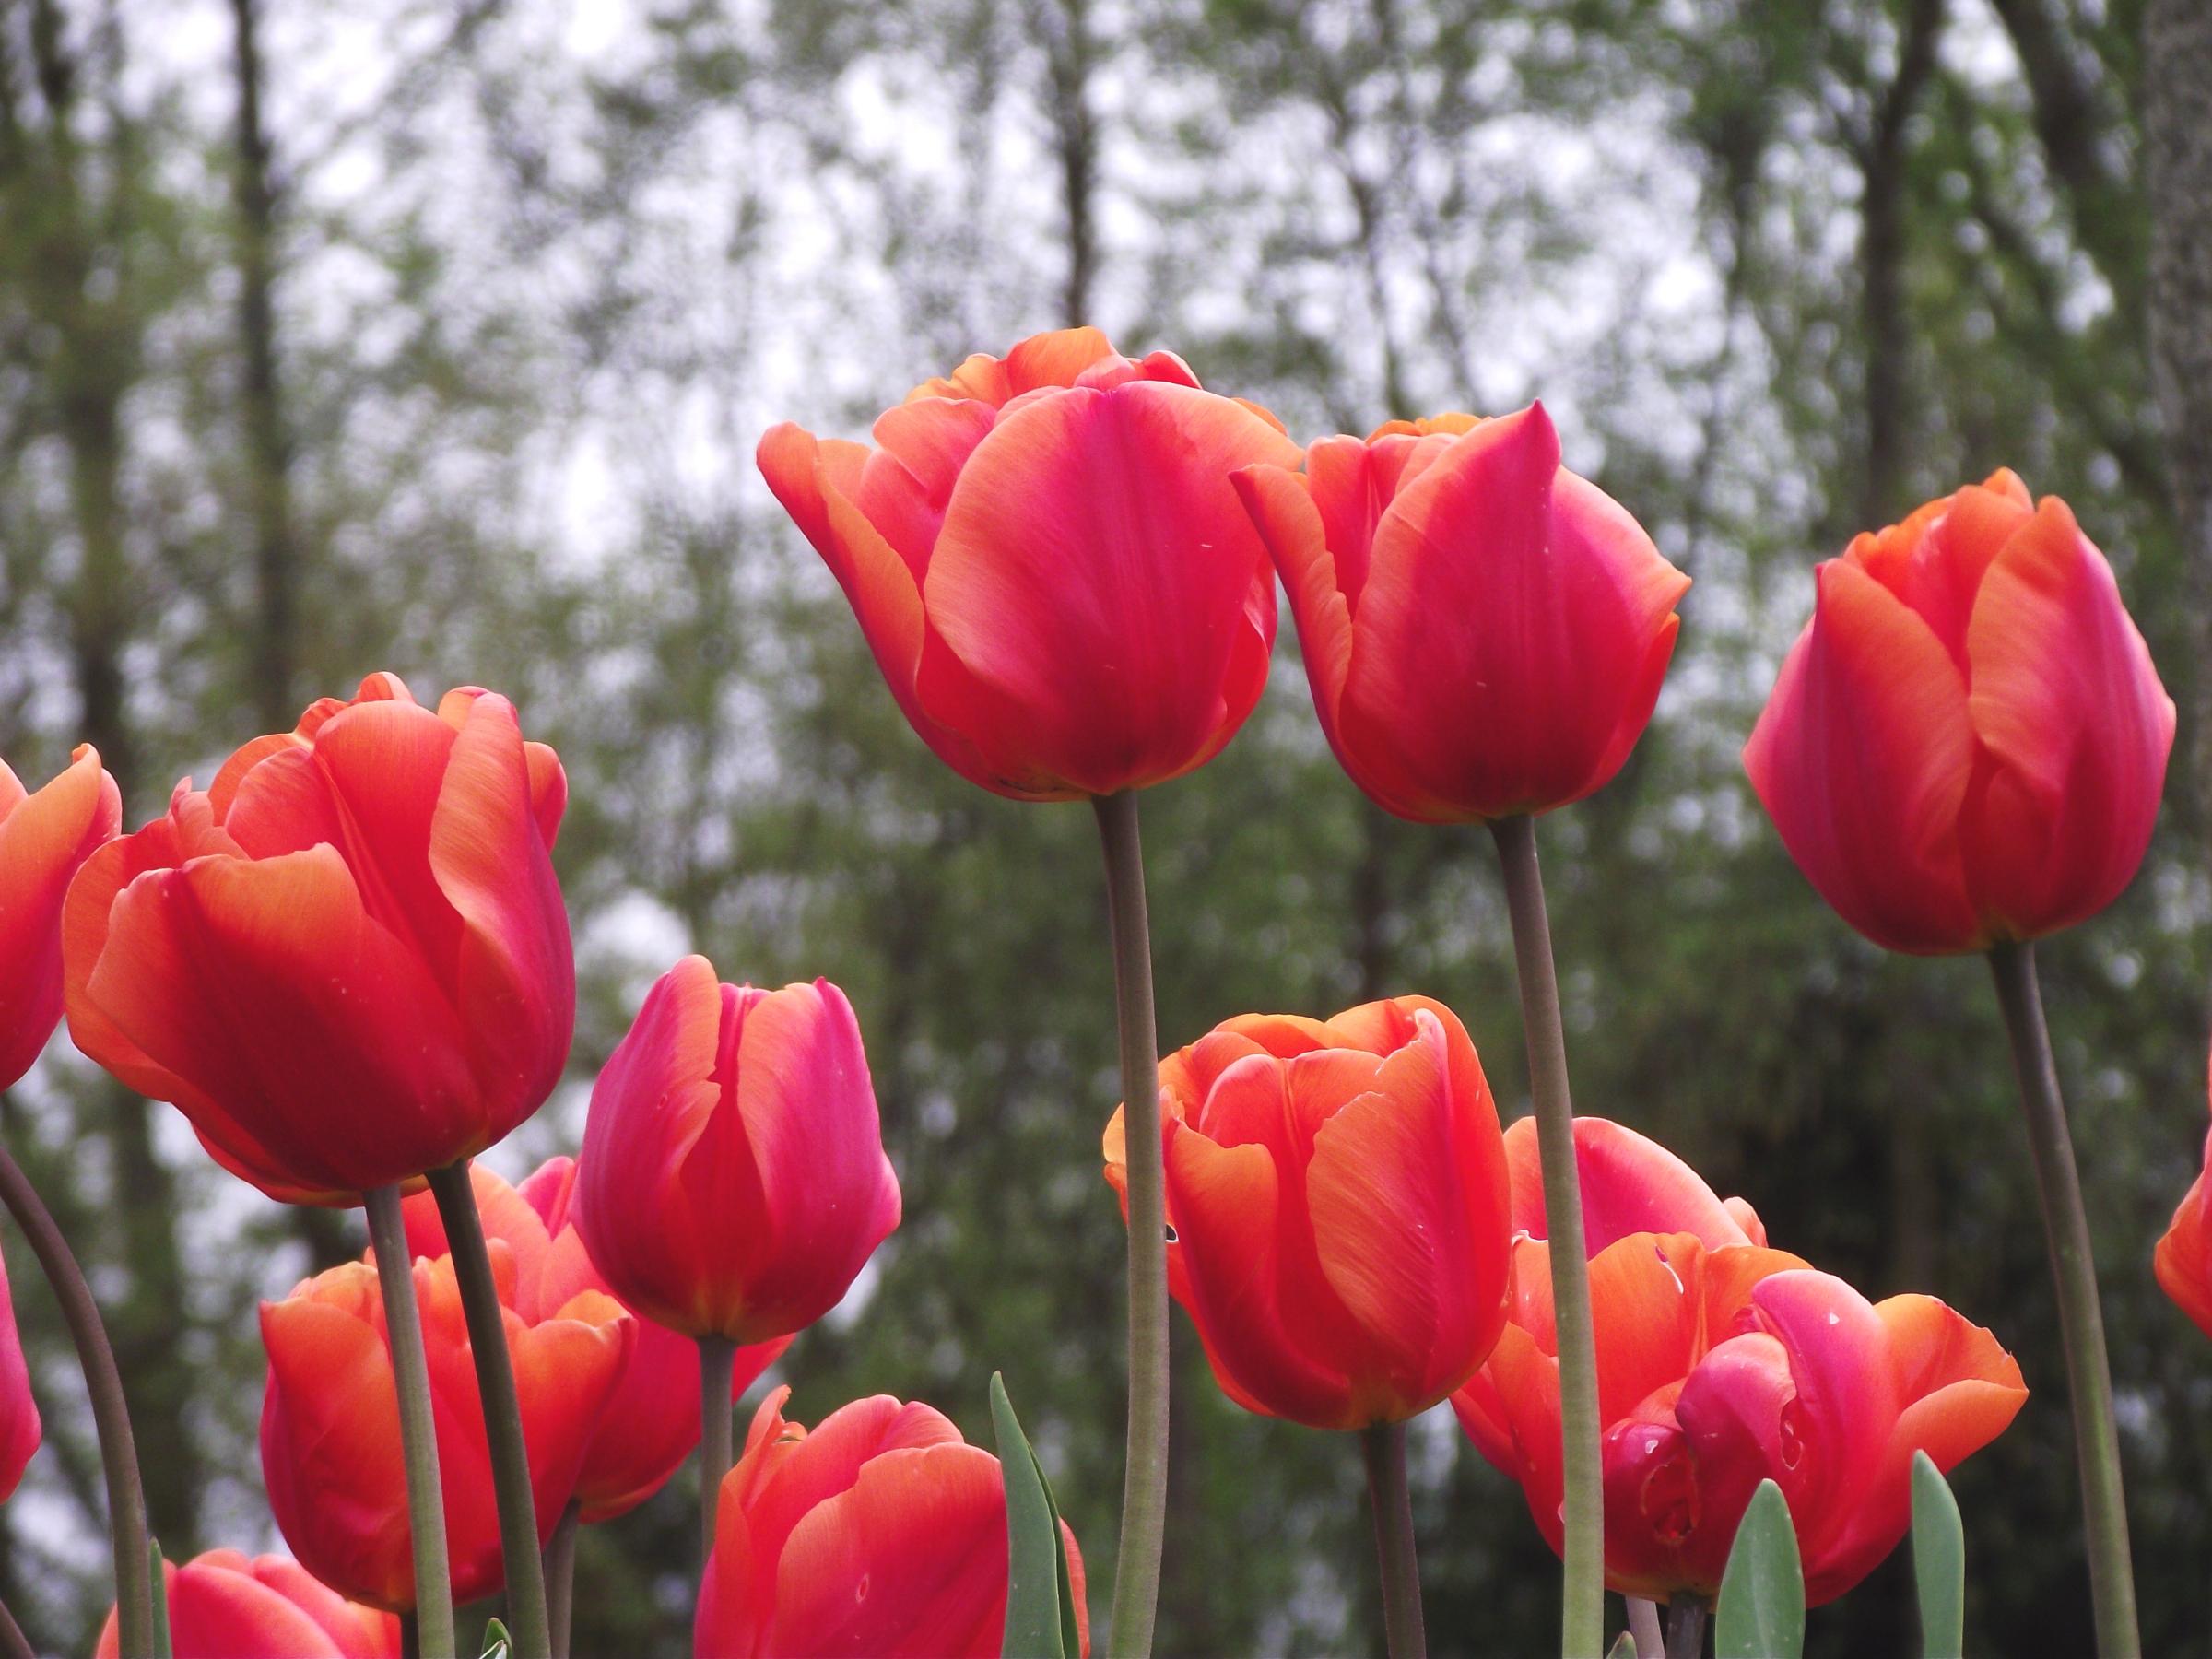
{"x": 437, "y": 336}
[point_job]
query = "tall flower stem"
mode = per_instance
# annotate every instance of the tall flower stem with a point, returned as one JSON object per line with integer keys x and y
{"x": 1145, "y": 1479}
{"x": 717, "y": 1361}
{"x": 1582, "y": 1614}
{"x": 417, "y": 1433}
{"x": 110, "y": 1417}
{"x": 1405, "y": 1634}
{"x": 526, "y": 1615}
{"x": 1686, "y": 1617}
{"x": 560, "y": 1576}
{"x": 2081, "y": 1319}
{"x": 1643, "y": 1625}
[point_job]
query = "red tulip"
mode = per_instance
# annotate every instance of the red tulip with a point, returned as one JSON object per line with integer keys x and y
{"x": 2183, "y": 1261}
{"x": 1967, "y": 742}
{"x": 330, "y": 1447}
{"x": 652, "y": 1420}
{"x": 732, "y": 1181}
{"x": 1049, "y": 563}
{"x": 227, "y": 1606}
{"x": 20, "y": 1428}
{"x": 1337, "y": 1196}
{"x": 881, "y": 1532}
{"x": 1485, "y": 633}
{"x": 44, "y": 838}
{"x": 347, "y": 962}
{"x": 1721, "y": 1363}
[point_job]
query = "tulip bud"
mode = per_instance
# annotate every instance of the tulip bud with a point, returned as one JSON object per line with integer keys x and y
{"x": 1967, "y": 742}
{"x": 224, "y": 1606}
{"x": 45, "y": 839}
{"x": 1338, "y": 1196}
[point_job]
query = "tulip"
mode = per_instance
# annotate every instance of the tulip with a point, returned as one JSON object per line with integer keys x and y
{"x": 346, "y": 961}
{"x": 1968, "y": 741}
{"x": 1338, "y": 1195}
{"x": 20, "y": 1428}
{"x": 2184, "y": 1260}
{"x": 879, "y": 1532}
{"x": 1485, "y": 633}
{"x": 45, "y": 839}
{"x": 733, "y": 1182}
{"x": 1048, "y": 562}
{"x": 1723, "y": 1363}
{"x": 330, "y": 1437}
{"x": 651, "y": 1419}
{"x": 224, "y": 1605}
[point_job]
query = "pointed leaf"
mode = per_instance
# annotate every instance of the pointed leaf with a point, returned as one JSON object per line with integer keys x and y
{"x": 498, "y": 1644}
{"x": 1040, "y": 1614}
{"x": 1762, "y": 1613}
{"x": 1624, "y": 1647}
{"x": 1938, "y": 1562}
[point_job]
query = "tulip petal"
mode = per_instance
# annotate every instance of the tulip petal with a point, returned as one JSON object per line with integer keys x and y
{"x": 1283, "y": 511}
{"x": 19, "y": 1427}
{"x": 45, "y": 838}
{"x": 213, "y": 1611}
{"x": 1629, "y": 1184}
{"x": 2183, "y": 1259}
{"x": 1646, "y": 1308}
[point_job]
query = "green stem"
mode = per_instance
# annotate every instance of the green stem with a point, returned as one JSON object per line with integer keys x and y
{"x": 560, "y": 1576}
{"x": 2080, "y": 1320}
{"x": 1686, "y": 1628}
{"x": 1145, "y": 1481}
{"x": 717, "y": 1362}
{"x": 1404, "y": 1636}
{"x": 526, "y": 1615}
{"x": 111, "y": 1416}
{"x": 417, "y": 1432}
{"x": 1582, "y": 1615}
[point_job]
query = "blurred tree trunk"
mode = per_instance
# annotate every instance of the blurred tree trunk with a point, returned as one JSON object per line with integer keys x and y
{"x": 1063, "y": 29}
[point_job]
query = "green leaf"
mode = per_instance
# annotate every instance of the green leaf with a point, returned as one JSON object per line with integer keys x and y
{"x": 498, "y": 1644}
{"x": 162, "y": 1646}
{"x": 1938, "y": 1562}
{"x": 1624, "y": 1647}
{"x": 1761, "y": 1612}
{"x": 1040, "y": 1603}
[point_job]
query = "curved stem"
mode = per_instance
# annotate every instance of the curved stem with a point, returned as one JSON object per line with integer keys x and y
{"x": 1582, "y": 1615}
{"x": 1145, "y": 1481}
{"x": 560, "y": 1576}
{"x": 717, "y": 1362}
{"x": 1643, "y": 1625}
{"x": 526, "y": 1614}
{"x": 417, "y": 1434}
{"x": 111, "y": 1416}
{"x": 2080, "y": 1320}
{"x": 1404, "y": 1636}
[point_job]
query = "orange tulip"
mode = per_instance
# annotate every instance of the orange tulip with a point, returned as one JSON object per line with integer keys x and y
{"x": 1485, "y": 633}
{"x": 1721, "y": 1363}
{"x": 2183, "y": 1261}
{"x": 732, "y": 1181}
{"x": 19, "y": 1427}
{"x": 227, "y": 1606}
{"x": 1050, "y": 564}
{"x": 652, "y": 1420}
{"x": 1967, "y": 742}
{"x": 45, "y": 839}
{"x": 346, "y": 961}
{"x": 330, "y": 1447}
{"x": 1338, "y": 1202}
{"x": 881, "y": 1532}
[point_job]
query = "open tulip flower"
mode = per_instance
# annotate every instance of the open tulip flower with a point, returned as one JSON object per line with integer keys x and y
{"x": 880, "y": 1533}
{"x": 1485, "y": 633}
{"x": 1722, "y": 1363}
{"x": 346, "y": 961}
{"x": 1338, "y": 1196}
{"x": 330, "y": 1445}
{"x": 45, "y": 839}
{"x": 733, "y": 1182}
{"x": 651, "y": 1419}
{"x": 2183, "y": 1261}
{"x": 1048, "y": 562}
{"x": 1967, "y": 742}
{"x": 224, "y": 1605}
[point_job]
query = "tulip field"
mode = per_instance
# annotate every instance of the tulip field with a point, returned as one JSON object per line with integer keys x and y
{"x": 718, "y": 938}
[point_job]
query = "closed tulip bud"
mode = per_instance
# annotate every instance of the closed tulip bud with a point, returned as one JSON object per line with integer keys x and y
{"x": 2184, "y": 1260}
{"x": 346, "y": 961}
{"x": 1485, "y": 633}
{"x": 732, "y": 1181}
{"x": 1967, "y": 742}
{"x": 227, "y": 1606}
{"x": 651, "y": 1419}
{"x": 44, "y": 839}
{"x": 330, "y": 1446}
{"x": 19, "y": 1427}
{"x": 1338, "y": 1202}
{"x": 1050, "y": 564}
{"x": 880, "y": 1533}
{"x": 1722, "y": 1363}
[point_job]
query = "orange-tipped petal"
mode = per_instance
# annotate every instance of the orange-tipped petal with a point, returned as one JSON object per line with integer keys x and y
{"x": 45, "y": 838}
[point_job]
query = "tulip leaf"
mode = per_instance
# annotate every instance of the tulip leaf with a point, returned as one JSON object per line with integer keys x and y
{"x": 1040, "y": 1603}
{"x": 162, "y": 1646}
{"x": 1938, "y": 1562}
{"x": 1624, "y": 1647}
{"x": 498, "y": 1644}
{"x": 1762, "y": 1613}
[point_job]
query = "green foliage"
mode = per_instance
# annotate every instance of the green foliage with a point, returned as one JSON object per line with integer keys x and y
{"x": 1041, "y": 1606}
{"x": 1761, "y": 1614}
{"x": 1938, "y": 1562}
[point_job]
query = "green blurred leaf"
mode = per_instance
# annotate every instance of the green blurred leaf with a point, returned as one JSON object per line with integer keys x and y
{"x": 1761, "y": 1611}
{"x": 498, "y": 1644}
{"x": 1624, "y": 1647}
{"x": 1938, "y": 1562}
{"x": 162, "y": 1646}
{"x": 1041, "y": 1604}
